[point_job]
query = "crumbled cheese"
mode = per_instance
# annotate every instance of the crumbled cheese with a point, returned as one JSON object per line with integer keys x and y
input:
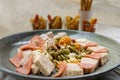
{"x": 44, "y": 36}
{"x": 81, "y": 40}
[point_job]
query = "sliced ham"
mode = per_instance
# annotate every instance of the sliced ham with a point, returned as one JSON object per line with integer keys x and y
{"x": 86, "y": 43}
{"x": 101, "y": 50}
{"x": 87, "y": 67}
{"x": 73, "y": 69}
{"x": 37, "y": 40}
{"x": 88, "y": 64}
{"x": 29, "y": 46}
{"x": 98, "y": 49}
{"x": 104, "y": 57}
{"x": 90, "y": 44}
{"x": 15, "y": 60}
{"x": 62, "y": 67}
{"x": 36, "y": 37}
{"x": 94, "y": 56}
{"x": 26, "y": 68}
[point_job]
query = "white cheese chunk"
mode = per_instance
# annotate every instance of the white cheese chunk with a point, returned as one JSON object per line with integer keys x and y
{"x": 73, "y": 69}
{"x": 87, "y": 62}
{"x": 44, "y": 64}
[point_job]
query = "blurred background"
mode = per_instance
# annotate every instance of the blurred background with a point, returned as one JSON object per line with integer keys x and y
{"x": 15, "y": 15}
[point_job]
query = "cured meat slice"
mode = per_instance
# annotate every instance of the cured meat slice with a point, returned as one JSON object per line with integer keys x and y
{"x": 86, "y": 43}
{"x": 94, "y": 56}
{"x": 62, "y": 67}
{"x": 87, "y": 67}
{"x": 26, "y": 68}
{"x": 104, "y": 57}
{"x": 29, "y": 46}
{"x": 15, "y": 60}
{"x": 37, "y": 40}
{"x": 89, "y": 64}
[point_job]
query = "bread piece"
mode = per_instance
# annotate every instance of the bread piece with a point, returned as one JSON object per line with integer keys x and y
{"x": 73, "y": 69}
